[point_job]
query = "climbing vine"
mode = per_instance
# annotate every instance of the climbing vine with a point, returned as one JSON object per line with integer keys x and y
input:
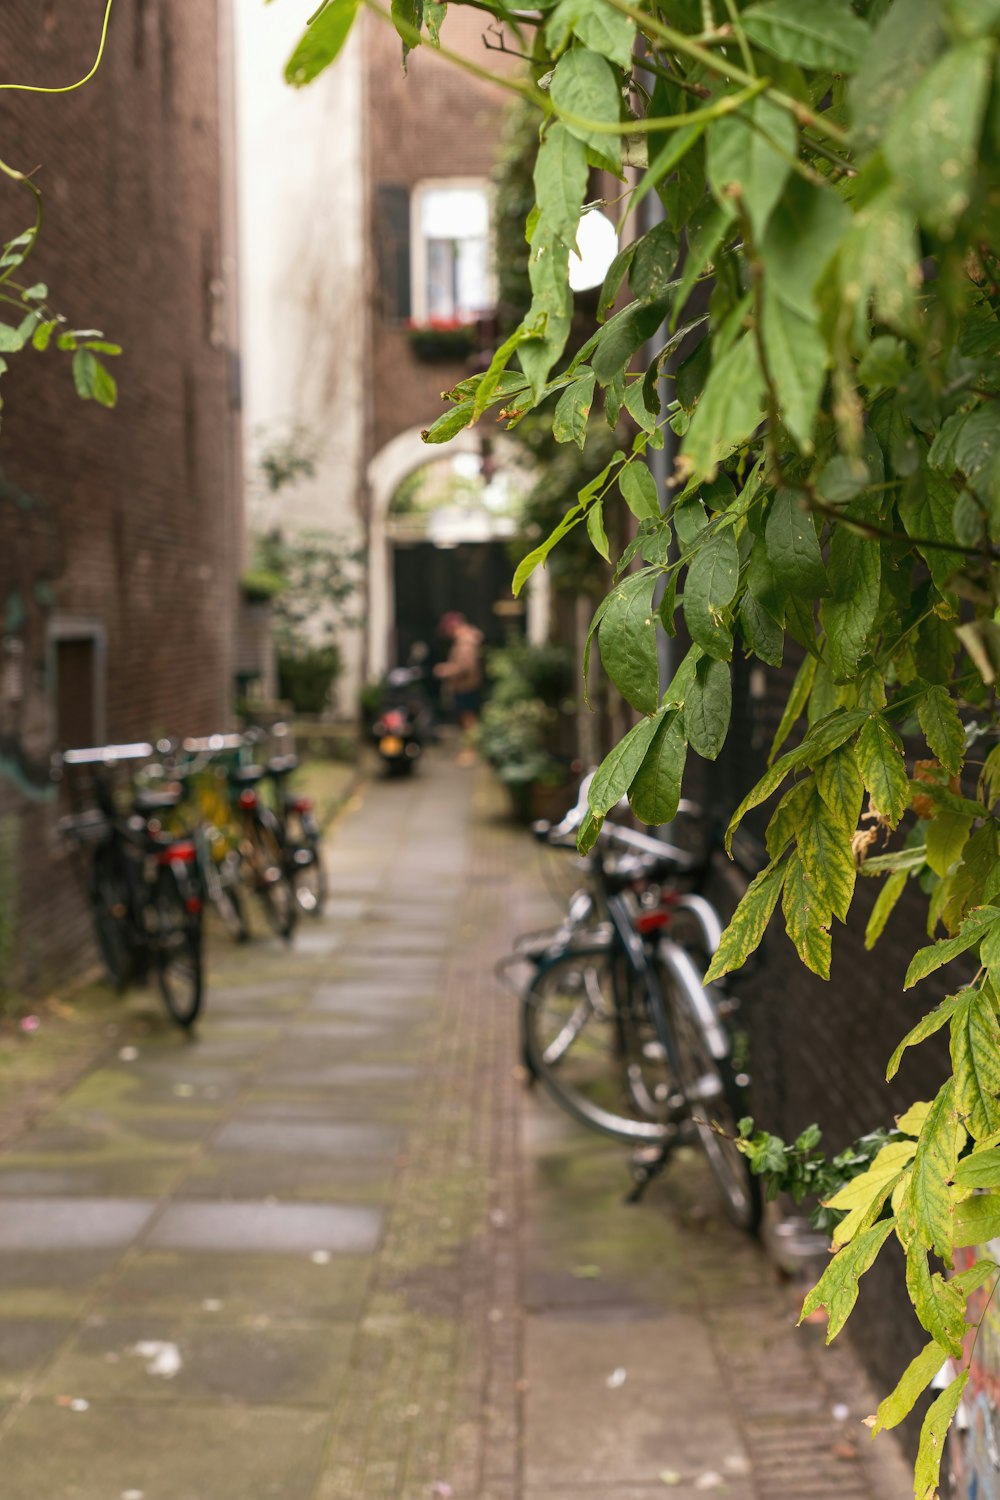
{"x": 820, "y": 283}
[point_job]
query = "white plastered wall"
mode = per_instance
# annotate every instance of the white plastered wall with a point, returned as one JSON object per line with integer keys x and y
{"x": 301, "y": 242}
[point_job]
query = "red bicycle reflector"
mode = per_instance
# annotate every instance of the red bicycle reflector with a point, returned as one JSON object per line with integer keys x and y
{"x": 193, "y": 904}
{"x": 301, "y": 804}
{"x": 184, "y": 851}
{"x": 652, "y": 921}
{"x": 248, "y": 799}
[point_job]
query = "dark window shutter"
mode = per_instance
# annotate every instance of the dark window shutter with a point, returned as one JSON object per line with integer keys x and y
{"x": 392, "y": 236}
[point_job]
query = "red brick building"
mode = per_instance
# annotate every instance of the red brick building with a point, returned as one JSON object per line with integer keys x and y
{"x": 120, "y": 531}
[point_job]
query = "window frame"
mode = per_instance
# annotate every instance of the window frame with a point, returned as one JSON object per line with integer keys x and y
{"x": 419, "y": 314}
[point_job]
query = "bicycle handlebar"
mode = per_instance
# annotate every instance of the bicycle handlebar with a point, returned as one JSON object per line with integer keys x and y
{"x": 102, "y": 755}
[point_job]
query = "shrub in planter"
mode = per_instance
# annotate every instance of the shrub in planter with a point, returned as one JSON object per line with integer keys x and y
{"x": 306, "y": 677}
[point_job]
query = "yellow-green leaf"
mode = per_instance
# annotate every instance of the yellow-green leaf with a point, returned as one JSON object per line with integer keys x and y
{"x": 975, "y": 1061}
{"x": 787, "y": 818}
{"x": 911, "y": 1122}
{"x": 926, "y": 960}
{"x": 946, "y": 835}
{"x": 839, "y": 783}
{"x": 934, "y": 1166}
{"x": 837, "y": 1288}
{"x": 977, "y": 1220}
{"x": 825, "y": 850}
{"x": 749, "y": 921}
{"x": 939, "y": 1304}
{"x": 932, "y": 1435}
{"x": 795, "y": 707}
{"x": 925, "y": 1027}
{"x": 859, "y": 1196}
{"x": 912, "y": 1383}
{"x": 942, "y": 727}
{"x": 807, "y": 919}
{"x": 980, "y": 1170}
{"x": 883, "y": 770}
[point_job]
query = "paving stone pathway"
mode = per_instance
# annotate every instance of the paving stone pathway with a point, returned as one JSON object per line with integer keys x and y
{"x": 332, "y": 1251}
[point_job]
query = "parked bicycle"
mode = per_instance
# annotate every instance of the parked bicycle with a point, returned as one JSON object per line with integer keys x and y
{"x": 616, "y": 1021}
{"x": 236, "y": 806}
{"x": 301, "y": 836}
{"x": 142, "y": 881}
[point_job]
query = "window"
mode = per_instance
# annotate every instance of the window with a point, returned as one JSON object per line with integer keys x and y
{"x": 78, "y": 684}
{"x": 451, "y": 261}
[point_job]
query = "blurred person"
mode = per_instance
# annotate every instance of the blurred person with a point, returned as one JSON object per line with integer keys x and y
{"x": 463, "y": 673}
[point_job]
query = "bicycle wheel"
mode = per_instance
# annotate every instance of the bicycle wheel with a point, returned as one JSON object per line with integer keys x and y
{"x": 110, "y": 908}
{"x": 271, "y": 881}
{"x": 713, "y": 1090}
{"x": 589, "y": 1036}
{"x": 178, "y": 952}
{"x": 222, "y": 882}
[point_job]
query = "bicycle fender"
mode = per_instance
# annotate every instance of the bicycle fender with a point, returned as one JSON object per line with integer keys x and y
{"x": 682, "y": 970}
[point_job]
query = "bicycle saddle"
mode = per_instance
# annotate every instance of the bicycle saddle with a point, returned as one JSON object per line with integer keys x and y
{"x": 282, "y": 765}
{"x": 246, "y": 775}
{"x": 155, "y": 801}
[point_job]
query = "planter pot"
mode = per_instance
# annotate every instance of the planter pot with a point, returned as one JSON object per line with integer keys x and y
{"x": 442, "y": 345}
{"x": 550, "y": 802}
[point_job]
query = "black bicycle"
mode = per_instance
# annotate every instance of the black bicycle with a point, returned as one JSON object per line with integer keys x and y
{"x": 617, "y": 1022}
{"x": 142, "y": 882}
{"x": 300, "y": 836}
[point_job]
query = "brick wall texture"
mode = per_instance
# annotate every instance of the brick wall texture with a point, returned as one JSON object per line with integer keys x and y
{"x": 435, "y": 122}
{"x": 134, "y": 514}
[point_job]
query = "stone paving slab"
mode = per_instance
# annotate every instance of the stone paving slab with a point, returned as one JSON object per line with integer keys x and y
{"x": 154, "y": 1358}
{"x": 198, "y": 1453}
{"x": 278, "y": 1286}
{"x": 71, "y": 1223}
{"x": 268, "y": 1227}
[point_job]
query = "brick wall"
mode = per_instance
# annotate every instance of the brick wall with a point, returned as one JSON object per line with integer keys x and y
{"x": 140, "y": 506}
{"x": 436, "y": 122}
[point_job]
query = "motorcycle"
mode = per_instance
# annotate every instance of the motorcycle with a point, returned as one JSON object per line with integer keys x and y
{"x": 403, "y": 724}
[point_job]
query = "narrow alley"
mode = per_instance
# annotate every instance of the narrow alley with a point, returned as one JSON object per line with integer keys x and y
{"x": 334, "y": 1250}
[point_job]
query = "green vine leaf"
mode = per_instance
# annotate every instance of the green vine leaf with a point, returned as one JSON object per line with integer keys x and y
{"x": 708, "y": 706}
{"x": 656, "y": 788}
{"x": 819, "y": 34}
{"x": 709, "y": 590}
{"x": 627, "y": 637}
{"x": 322, "y": 42}
{"x": 618, "y": 769}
